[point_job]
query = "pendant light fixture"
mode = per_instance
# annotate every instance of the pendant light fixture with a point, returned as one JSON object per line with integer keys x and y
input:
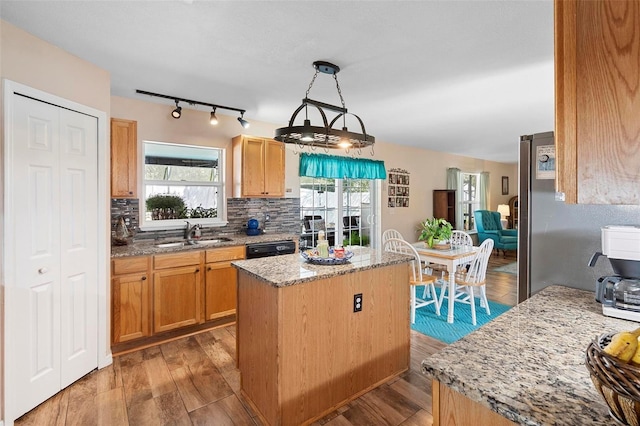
{"x": 324, "y": 135}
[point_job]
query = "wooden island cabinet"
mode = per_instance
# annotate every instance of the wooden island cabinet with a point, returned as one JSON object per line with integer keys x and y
{"x": 303, "y": 348}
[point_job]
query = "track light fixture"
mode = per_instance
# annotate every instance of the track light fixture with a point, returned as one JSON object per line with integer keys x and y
{"x": 244, "y": 123}
{"x": 324, "y": 136}
{"x": 176, "y": 113}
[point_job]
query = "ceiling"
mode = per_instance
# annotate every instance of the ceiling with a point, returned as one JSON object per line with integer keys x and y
{"x": 464, "y": 77}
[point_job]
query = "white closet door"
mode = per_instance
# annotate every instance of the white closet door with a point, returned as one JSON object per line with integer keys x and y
{"x": 51, "y": 308}
{"x": 78, "y": 243}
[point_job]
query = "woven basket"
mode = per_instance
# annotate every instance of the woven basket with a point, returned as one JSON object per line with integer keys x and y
{"x": 616, "y": 381}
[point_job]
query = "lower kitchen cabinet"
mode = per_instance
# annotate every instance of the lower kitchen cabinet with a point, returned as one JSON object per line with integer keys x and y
{"x": 162, "y": 296}
{"x": 177, "y": 299}
{"x": 130, "y": 299}
{"x": 221, "y": 290}
{"x": 221, "y": 281}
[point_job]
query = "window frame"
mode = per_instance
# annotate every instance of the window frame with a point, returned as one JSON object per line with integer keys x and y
{"x": 475, "y": 203}
{"x": 220, "y": 220}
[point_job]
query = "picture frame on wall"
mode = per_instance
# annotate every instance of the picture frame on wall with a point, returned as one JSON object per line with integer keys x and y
{"x": 505, "y": 185}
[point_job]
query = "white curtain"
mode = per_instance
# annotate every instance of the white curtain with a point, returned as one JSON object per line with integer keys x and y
{"x": 483, "y": 191}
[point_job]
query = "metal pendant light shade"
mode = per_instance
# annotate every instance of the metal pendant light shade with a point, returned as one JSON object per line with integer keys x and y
{"x": 324, "y": 135}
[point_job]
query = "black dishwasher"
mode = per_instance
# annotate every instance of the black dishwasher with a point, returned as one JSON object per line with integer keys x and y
{"x": 273, "y": 248}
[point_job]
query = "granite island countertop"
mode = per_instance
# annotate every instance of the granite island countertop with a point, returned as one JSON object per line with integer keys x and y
{"x": 148, "y": 247}
{"x": 291, "y": 269}
{"x": 528, "y": 364}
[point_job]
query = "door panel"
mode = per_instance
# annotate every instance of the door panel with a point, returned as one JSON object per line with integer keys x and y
{"x": 51, "y": 308}
{"x": 79, "y": 239}
{"x": 33, "y": 300}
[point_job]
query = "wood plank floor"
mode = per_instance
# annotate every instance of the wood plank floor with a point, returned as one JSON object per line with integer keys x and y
{"x": 193, "y": 381}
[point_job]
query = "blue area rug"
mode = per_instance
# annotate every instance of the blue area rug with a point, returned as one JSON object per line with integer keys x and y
{"x": 428, "y": 323}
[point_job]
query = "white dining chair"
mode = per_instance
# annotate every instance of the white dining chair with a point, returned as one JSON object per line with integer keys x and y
{"x": 466, "y": 279}
{"x": 416, "y": 277}
{"x": 391, "y": 233}
{"x": 460, "y": 238}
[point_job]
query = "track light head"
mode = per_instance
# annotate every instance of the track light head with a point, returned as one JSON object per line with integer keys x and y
{"x": 244, "y": 123}
{"x": 176, "y": 113}
{"x": 213, "y": 120}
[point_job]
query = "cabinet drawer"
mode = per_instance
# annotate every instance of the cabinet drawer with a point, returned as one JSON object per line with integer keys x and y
{"x": 163, "y": 261}
{"x": 226, "y": 253}
{"x": 129, "y": 265}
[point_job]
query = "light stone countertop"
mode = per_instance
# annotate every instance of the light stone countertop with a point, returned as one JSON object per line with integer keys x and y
{"x": 148, "y": 247}
{"x": 291, "y": 269}
{"x": 528, "y": 364}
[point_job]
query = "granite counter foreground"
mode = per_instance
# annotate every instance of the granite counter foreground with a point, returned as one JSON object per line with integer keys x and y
{"x": 528, "y": 364}
{"x": 290, "y": 269}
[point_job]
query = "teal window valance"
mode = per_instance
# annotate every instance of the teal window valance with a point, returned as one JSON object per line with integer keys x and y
{"x": 332, "y": 166}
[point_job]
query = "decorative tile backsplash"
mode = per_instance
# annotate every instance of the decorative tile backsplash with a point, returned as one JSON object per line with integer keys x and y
{"x": 284, "y": 216}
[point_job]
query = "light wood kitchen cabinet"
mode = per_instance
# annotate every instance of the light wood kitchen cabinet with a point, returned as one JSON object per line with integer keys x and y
{"x": 258, "y": 167}
{"x": 221, "y": 281}
{"x": 124, "y": 158}
{"x": 597, "y": 60}
{"x": 177, "y": 291}
{"x": 130, "y": 299}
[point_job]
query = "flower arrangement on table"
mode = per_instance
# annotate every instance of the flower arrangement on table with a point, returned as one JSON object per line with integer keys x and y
{"x": 435, "y": 231}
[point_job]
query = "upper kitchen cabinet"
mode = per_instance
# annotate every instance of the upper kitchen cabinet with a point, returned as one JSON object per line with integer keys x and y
{"x": 258, "y": 167}
{"x": 597, "y": 59}
{"x": 124, "y": 158}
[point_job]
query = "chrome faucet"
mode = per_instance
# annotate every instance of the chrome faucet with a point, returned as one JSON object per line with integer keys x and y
{"x": 189, "y": 230}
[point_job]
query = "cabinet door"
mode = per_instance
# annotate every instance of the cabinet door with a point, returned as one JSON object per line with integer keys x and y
{"x": 220, "y": 290}
{"x": 253, "y": 167}
{"x": 597, "y": 47}
{"x": 130, "y": 303}
{"x": 124, "y": 157}
{"x": 274, "y": 168}
{"x": 176, "y": 298}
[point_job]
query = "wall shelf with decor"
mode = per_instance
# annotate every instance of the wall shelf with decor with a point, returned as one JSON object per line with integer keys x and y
{"x": 398, "y": 188}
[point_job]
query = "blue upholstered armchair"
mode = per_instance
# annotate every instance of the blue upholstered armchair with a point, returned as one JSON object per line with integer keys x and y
{"x": 489, "y": 227}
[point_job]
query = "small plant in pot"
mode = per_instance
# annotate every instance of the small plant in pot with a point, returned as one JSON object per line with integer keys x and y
{"x": 435, "y": 231}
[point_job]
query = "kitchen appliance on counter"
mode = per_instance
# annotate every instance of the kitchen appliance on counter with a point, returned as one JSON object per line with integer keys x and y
{"x": 274, "y": 248}
{"x": 620, "y": 293}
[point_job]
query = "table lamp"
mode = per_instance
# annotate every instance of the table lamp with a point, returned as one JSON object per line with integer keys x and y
{"x": 503, "y": 209}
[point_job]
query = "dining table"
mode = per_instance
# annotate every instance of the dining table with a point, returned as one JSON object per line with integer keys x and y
{"x": 451, "y": 258}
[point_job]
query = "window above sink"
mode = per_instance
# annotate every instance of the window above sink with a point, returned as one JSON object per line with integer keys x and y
{"x": 182, "y": 183}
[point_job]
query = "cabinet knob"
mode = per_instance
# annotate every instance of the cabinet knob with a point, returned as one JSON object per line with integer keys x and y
{"x": 197, "y": 269}
{"x": 209, "y": 268}
{"x": 43, "y": 270}
{"x": 130, "y": 192}
{"x": 144, "y": 278}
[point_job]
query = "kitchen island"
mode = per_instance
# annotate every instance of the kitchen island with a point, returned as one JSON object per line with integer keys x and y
{"x": 302, "y": 348}
{"x": 525, "y": 367}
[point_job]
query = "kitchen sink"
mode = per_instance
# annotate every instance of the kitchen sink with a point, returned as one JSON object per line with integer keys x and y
{"x": 212, "y": 241}
{"x": 167, "y": 245}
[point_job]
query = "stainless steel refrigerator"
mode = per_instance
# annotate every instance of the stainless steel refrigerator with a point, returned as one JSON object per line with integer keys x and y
{"x": 556, "y": 240}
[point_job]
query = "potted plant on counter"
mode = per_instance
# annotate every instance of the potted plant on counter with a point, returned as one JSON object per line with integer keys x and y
{"x": 435, "y": 231}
